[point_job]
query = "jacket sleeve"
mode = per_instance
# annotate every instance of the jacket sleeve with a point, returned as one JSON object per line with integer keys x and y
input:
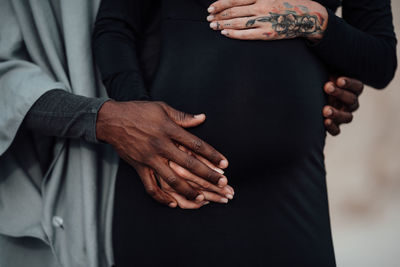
{"x": 362, "y": 45}
{"x": 21, "y": 81}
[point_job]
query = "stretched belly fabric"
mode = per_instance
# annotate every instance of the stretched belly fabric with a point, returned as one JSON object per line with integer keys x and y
{"x": 263, "y": 100}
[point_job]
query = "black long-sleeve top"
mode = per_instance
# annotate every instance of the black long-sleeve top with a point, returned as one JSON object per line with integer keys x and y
{"x": 280, "y": 212}
{"x": 362, "y": 45}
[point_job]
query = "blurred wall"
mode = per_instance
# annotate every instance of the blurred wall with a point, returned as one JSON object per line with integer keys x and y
{"x": 363, "y": 166}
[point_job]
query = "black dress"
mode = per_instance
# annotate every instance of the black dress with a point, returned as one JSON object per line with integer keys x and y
{"x": 263, "y": 102}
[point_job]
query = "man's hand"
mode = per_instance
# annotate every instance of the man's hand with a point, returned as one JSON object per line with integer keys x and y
{"x": 268, "y": 19}
{"x": 145, "y": 135}
{"x": 343, "y": 96}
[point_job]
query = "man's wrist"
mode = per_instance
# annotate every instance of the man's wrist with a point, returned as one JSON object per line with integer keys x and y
{"x": 105, "y": 117}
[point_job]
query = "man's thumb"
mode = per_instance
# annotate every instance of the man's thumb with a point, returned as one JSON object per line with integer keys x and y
{"x": 183, "y": 119}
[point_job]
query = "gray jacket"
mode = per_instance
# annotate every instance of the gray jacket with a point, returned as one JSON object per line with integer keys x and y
{"x": 60, "y": 216}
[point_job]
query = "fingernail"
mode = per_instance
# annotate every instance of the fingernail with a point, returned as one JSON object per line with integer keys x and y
{"x": 229, "y": 196}
{"x": 224, "y": 32}
{"x": 198, "y": 116}
{"x": 206, "y": 203}
{"x": 222, "y": 182}
{"x": 200, "y": 198}
{"x": 211, "y": 9}
{"x": 223, "y": 164}
{"x": 219, "y": 170}
{"x": 330, "y": 88}
{"x": 224, "y": 200}
{"x": 342, "y": 82}
{"x": 172, "y": 205}
{"x": 210, "y": 18}
{"x": 213, "y": 25}
{"x": 329, "y": 112}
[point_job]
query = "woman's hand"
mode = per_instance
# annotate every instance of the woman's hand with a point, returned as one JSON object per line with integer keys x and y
{"x": 268, "y": 19}
{"x": 164, "y": 193}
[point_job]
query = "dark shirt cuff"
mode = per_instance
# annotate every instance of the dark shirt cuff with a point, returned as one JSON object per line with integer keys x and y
{"x": 62, "y": 114}
{"x": 324, "y": 46}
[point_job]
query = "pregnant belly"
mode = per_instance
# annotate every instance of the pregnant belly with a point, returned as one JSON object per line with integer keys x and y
{"x": 263, "y": 100}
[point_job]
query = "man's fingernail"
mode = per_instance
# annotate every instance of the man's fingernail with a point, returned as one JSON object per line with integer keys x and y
{"x": 222, "y": 182}
{"x": 224, "y": 32}
{"x": 200, "y": 198}
{"x": 206, "y": 203}
{"x": 330, "y": 88}
{"x": 329, "y": 112}
{"x": 229, "y": 196}
{"x": 172, "y": 205}
{"x": 211, "y": 9}
{"x": 213, "y": 25}
{"x": 210, "y": 18}
{"x": 342, "y": 82}
{"x": 219, "y": 170}
{"x": 223, "y": 164}
{"x": 224, "y": 200}
{"x": 198, "y": 116}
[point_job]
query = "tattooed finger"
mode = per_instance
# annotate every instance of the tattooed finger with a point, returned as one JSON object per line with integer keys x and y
{"x": 236, "y": 24}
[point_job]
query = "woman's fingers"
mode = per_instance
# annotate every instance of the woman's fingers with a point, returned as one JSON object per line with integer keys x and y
{"x": 202, "y": 159}
{"x": 211, "y": 196}
{"x": 250, "y": 34}
{"x": 198, "y": 146}
{"x": 236, "y": 24}
{"x": 221, "y": 5}
{"x": 226, "y": 192}
{"x": 176, "y": 182}
{"x": 150, "y": 184}
{"x": 234, "y": 12}
{"x": 181, "y": 201}
{"x": 195, "y": 166}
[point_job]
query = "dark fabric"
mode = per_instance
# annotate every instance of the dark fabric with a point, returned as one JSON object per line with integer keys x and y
{"x": 61, "y": 114}
{"x": 263, "y": 102}
{"x": 126, "y": 47}
{"x": 362, "y": 44}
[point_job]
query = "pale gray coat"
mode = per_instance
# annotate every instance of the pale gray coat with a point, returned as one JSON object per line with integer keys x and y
{"x": 61, "y": 216}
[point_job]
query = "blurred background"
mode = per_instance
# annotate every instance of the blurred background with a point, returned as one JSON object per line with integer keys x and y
{"x": 363, "y": 166}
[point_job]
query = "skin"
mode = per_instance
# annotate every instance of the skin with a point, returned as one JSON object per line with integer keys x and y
{"x": 343, "y": 94}
{"x": 268, "y": 19}
{"x": 147, "y": 135}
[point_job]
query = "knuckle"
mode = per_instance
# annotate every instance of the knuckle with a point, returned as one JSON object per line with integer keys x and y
{"x": 151, "y": 191}
{"x": 156, "y": 143}
{"x": 172, "y": 180}
{"x": 189, "y": 162}
{"x": 350, "y": 119}
{"x": 197, "y": 145}
{"x": 212, "y": 176}
{"x": 205, "y": 185}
